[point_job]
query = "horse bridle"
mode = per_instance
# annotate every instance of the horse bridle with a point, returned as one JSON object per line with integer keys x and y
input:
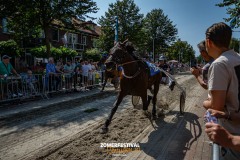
{"x": 135, "y": 74}
{"x": 119, "y": 59}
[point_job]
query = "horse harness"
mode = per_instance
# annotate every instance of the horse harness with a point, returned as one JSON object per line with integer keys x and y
{"x": 136, "y": 73}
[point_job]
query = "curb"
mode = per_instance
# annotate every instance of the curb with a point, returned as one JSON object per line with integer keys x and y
{"x": 37, "y": 112}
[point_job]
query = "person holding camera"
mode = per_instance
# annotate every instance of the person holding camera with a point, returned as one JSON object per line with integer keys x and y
{"x": 223, "y": 81}
{"x": 201, "y": 74}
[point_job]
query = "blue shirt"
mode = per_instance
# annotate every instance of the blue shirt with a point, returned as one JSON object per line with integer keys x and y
{"x": 50, "y": 68}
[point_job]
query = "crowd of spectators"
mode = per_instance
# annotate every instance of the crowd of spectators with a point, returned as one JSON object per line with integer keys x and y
{"x": 69, "y": 75}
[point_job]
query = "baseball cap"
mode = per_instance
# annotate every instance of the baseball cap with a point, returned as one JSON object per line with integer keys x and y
{"x": 6, "y": 57}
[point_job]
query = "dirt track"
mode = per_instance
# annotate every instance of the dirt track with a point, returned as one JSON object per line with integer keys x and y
{"x": 73, "y": 133}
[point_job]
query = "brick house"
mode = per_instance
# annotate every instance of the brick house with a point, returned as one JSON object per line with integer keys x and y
{"x": 80, "y": 38}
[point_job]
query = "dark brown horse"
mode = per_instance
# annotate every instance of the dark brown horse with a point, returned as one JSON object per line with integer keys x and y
{"x": 136, "y": 79}
{"x": 114, "y": 74}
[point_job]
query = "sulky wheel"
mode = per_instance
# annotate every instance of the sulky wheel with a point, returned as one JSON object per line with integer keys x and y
{"x": 182, "y": 102}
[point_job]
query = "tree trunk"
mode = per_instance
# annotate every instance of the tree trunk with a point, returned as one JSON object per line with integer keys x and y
{"x": 47, "y": 40}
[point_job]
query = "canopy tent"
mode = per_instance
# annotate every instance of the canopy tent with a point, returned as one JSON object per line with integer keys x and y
{"x": 173, "y": 61}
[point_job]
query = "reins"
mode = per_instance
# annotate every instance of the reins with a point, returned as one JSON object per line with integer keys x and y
{"x": 135, "y": 74}
{"x": 129, "y": 62}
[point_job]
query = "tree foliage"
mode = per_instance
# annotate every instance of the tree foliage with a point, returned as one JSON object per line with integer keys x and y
{"x": 93, "y": 54}
{"x": 62, "y": 52}
{"x": 130, "y": 23}
{"x": 159, "y": 28}
{"x": 181, "y": 50}
{"x": 235, "y": 44}
{"x": 233, "y": 9}
{"x": 10, "y": 48}
{"x": 28, "y": 16}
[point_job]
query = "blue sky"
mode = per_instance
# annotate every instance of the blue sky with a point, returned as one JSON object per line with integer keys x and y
{"x": 191, "y": 17}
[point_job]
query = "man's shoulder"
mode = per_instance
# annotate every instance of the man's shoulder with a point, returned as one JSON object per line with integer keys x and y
{"x": 228, "y": 58}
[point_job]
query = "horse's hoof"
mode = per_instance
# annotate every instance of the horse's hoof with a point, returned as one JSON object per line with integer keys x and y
{"x": 147, "y": 114}
{"x": 104, "y": 130}
{"x": 172, "y": 84}
{"x": 154, "y": 117}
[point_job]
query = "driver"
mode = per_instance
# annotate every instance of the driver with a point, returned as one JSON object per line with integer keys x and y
{"x": 165, "y": 79}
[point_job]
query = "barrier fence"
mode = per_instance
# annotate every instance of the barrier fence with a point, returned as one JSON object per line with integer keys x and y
{"x": 32, "y": 85}
{"x": 215, "y": 151}
{"x": 39, "y": 85}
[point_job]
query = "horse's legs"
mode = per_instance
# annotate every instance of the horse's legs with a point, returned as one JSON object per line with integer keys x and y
{"x": 146, "y": 101}
{"x": 104, "y": 84}
{"x": 154, "y": 100}
{"x": 114, "y": 109}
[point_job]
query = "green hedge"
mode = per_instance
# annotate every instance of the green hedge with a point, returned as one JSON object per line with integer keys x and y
{"x": 93, "y": 54}
{"x": 62, "y": 52}
{"x": 10, "y": 48}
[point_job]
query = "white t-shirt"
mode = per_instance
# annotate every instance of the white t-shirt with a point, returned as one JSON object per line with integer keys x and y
{"x": 86, "y": 69}
{"x": 222, "y": 75}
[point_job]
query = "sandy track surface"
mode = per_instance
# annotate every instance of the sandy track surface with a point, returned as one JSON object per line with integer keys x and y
{"x": 71, "y": 131}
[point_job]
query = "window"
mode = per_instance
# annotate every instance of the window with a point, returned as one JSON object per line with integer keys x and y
{"x": 84, "y": 40}
{"x": 55, "y": 34}
{"x": 72, "y": 38}
{"x": 4, "y": 25}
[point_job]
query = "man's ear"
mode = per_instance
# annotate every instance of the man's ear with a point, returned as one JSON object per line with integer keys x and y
{"x": 209, "y": 43}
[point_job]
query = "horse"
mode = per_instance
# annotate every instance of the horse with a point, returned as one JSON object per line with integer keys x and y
{"x": 114, "y": 73}
{"x": 136, "y": 79}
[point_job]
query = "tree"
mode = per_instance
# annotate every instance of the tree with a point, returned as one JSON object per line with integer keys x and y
{"x": 234, "y": 44}
{"x": 130, "y": 23}
{"x": 160, "y": 30}
{"x": 233, "y": 9}
{"x": 39, "y": 14}
{"x": 93, "y": 54}
{"x": 181, "y": 50}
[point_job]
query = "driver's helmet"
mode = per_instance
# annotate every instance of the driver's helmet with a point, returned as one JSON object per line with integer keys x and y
{"x": 104, "y": 55}
{"x": 162, "y": 58}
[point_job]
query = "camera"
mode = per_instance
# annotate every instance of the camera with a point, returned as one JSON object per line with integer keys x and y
{"x": 211, "y": 118}
{"x": 193, "y": 63}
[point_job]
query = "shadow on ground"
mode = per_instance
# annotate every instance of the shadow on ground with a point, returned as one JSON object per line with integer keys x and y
{"x": 172, "y": 140}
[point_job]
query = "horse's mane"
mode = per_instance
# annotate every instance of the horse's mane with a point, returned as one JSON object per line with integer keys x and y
{"x": 131, "y": 50}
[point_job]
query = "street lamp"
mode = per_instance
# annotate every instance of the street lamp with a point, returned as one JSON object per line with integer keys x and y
{"x": 157, "y": 32}
{"x": 180, "y": 55}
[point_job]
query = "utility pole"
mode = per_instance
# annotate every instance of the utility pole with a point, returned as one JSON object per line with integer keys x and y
{"x": 153, "y": 50}
{"x": 116, "y": 30}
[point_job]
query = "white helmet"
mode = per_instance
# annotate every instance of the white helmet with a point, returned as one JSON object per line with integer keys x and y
{"x": 162, "y": 58}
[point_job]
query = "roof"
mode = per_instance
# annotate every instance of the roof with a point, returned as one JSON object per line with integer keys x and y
{"x": 88, "y": 27}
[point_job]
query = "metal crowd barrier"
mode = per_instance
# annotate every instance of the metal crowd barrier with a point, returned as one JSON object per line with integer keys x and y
{"x": 215, "y": 151}
{"x": 35, "y": 85}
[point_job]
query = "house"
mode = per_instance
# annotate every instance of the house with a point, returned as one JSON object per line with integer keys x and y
{"x": 83, "y": 37}
{"x": 80, "y": 36}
